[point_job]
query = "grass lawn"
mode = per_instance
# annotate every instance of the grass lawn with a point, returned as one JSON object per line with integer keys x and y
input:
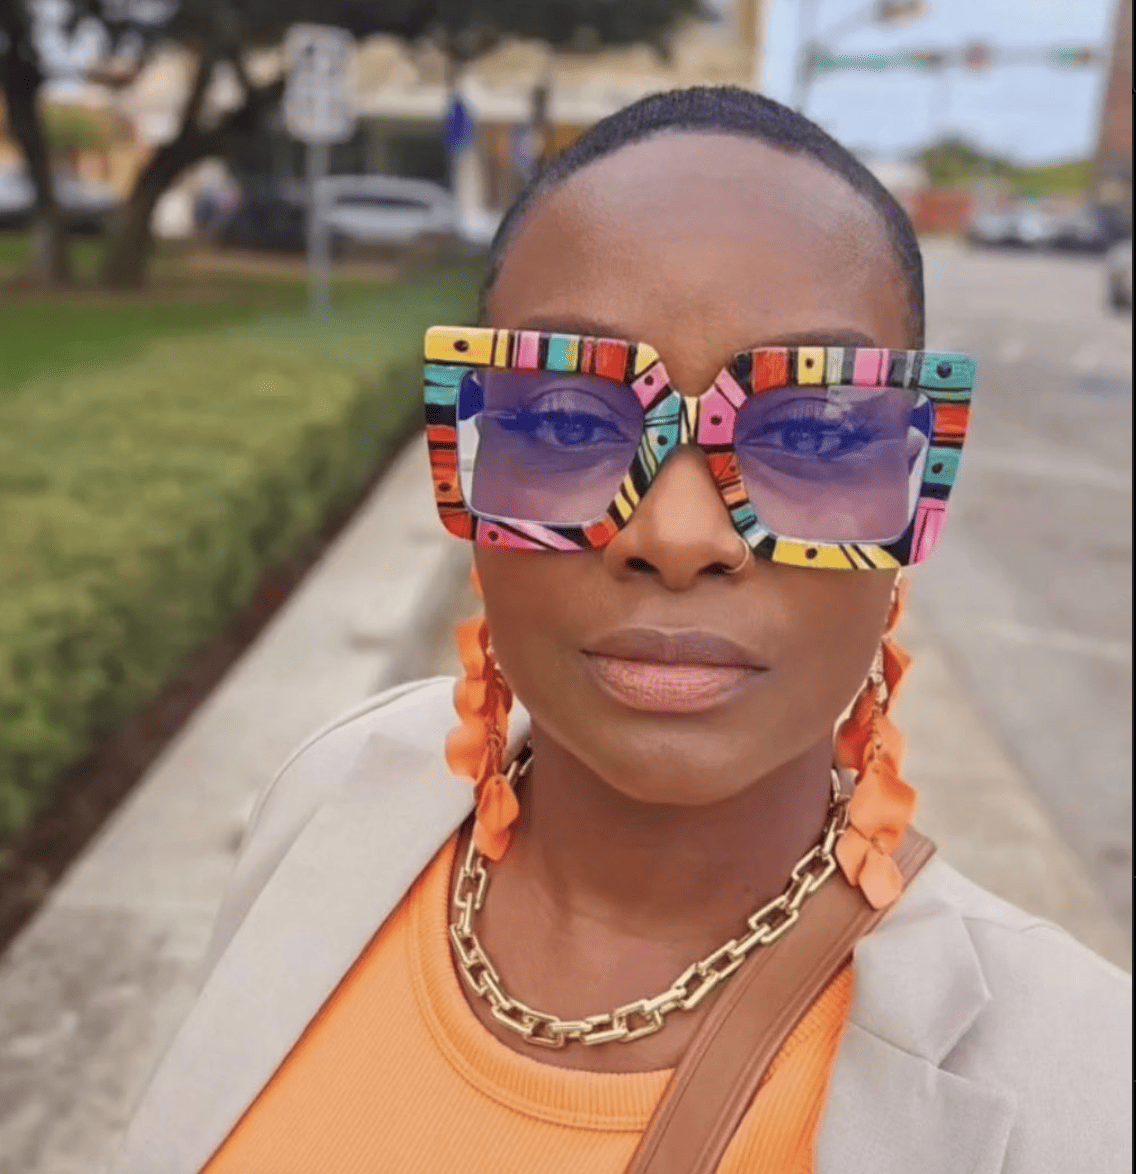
{"x": 51, "y": 333}
{"x": 141, "y": 499}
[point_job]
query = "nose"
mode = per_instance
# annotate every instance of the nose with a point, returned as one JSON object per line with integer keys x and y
{"x": 680, "y": 530}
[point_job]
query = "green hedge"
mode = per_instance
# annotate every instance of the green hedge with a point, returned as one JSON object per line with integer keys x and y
{"x": 140, "y": 504}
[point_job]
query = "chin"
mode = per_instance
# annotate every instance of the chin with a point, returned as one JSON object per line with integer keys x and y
{"x": 675, "y": 761}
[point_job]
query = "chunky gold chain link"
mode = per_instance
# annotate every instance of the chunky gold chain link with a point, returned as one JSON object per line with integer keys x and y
{"x": 643, "y": 1017}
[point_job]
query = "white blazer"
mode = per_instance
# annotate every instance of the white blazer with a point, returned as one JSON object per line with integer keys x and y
{"x": 981, "y": 1039}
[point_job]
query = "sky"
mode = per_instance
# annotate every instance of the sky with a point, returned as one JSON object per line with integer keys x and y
{"x": 1032, "y": 114}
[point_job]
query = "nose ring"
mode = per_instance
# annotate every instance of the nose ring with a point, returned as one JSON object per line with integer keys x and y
{"x": 747, "y": 553}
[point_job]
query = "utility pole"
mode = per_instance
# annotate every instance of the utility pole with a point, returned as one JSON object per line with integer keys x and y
{"x": 1112, "y": 163}
{"x": 810, "y": 46}
{"x": 749, "y": 16}
{"x": 806, "y": 27}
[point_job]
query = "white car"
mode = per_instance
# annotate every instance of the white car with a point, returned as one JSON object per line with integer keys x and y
{"x": 394, "y": 210}
{"x": 87, "y": 207}
{"x": 1118, "y": 267}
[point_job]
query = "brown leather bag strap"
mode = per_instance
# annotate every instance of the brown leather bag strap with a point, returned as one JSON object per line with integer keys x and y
{"x": 719, "y": 1074}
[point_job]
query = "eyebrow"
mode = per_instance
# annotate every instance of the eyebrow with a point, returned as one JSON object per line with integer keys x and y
{"x": 832, "y": 336}
{"x": 585, "y": 326}
{"x": 840, "y": 336}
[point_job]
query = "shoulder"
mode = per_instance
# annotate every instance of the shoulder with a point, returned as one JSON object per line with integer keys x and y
{"x": 1027, "y": 959}
{"x": 1053, "y": 1030}
{"x": 417, "y": 714}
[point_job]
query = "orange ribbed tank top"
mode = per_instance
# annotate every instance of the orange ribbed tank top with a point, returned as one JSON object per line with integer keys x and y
{"x": 396, "y": 1073}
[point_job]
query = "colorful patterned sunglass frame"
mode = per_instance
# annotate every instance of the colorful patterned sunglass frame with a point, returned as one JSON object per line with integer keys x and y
{"x": 672, "y": 420}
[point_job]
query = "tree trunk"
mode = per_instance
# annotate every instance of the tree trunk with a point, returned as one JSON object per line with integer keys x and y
{"x": 22, "y": 78}
{"x": 127, "y": 257}
{"x": 128, "y": 254}
{"x": 50, "y": 255}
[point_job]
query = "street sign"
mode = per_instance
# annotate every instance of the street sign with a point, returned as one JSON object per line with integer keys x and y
{"x": 976, "y": 55}
{"x": 319, "y": 109}
{"x": 973, "y": 56}
{"x": 527, "y": 143}
{"x": 459, "y": 127}
{"x": 319, "y": 97}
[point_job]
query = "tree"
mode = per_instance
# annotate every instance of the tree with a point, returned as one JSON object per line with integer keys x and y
{"x": 73, "y": 131}
{"x": 465, "y": 29}
{"x": 220, "y": 32}
{"x": 216, "y": 32}
{"x": 21, "y": 78}
{"x": 955, "y": 162}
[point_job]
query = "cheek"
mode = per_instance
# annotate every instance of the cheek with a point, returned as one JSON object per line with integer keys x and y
{"x": 822, "y": 628}
{"x": 531, "y": 601}
{"x": 835, "y": 622}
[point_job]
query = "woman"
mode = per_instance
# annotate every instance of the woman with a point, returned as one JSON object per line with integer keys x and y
{"x": 693, "y": 444}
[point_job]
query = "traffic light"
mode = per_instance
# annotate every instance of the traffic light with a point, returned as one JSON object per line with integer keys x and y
{"x": 924, "y": 59}
{"x": 1075, "y": 57}
{"x": 976, "y": 56}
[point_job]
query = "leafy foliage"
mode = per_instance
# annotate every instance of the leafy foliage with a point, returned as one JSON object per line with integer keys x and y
{"x": 221, "y": 30}
{"x": 74, "y": 129}
{"x": 957, "y": 163}
{"x": 463, "y": 27}
{"x": 141, "y": 502}
{"x": 466, "y": 28}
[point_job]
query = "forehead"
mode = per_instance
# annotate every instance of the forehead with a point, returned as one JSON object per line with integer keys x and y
{"x": 703, "y": 245}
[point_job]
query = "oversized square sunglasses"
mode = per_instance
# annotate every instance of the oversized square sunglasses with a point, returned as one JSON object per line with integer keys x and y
{"x": 835, "y": 457}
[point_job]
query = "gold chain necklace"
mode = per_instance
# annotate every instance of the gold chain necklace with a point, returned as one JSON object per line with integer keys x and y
{"x": 643, "y": 1017}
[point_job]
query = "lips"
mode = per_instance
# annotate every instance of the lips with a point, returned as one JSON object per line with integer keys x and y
{"x": 672, "y": 671}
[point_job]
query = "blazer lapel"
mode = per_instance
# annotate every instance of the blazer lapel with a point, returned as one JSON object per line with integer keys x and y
{"x": 342, "y": 877}
{"x": 891, "y": 1108}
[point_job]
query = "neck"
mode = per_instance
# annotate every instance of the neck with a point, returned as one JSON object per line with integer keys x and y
{"x": 666, "y": 873}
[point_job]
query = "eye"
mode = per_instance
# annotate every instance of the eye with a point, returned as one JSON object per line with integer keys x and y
{"x": 809, "y": 428}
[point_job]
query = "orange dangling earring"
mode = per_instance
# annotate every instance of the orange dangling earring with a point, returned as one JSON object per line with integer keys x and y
{"x": 476, "y": 747}
{"x": 869, "y": 744}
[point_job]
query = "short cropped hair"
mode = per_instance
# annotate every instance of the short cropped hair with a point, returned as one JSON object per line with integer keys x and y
{"x": 721, "y": 110}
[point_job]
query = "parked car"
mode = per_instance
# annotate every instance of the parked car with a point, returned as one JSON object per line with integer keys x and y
{"x": 1118, "y": 270}
{"x": 991, "y": 229}
{"x": 366, "y": 209}
{"x": 1025, "y": 227}
{"x": 269, "y": 216}
{"x": 87, "y": 207}
{"x": 1091, "y": 229}
{"x": 386, "y": 209}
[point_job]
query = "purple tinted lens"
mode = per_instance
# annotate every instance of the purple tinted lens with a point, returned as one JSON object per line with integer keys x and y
{"x": 834, "y": 464}
{"x": 542, "y": 446}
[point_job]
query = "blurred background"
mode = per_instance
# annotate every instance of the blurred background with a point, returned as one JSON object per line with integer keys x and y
{"x": 223, "y": 227}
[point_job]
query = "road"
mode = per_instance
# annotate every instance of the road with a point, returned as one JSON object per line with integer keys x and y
{"x": 1030, "y": 592}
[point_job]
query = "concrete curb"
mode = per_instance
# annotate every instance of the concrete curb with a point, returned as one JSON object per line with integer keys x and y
{"x": 93, "y": 988}
{"x": 95, "y": 985}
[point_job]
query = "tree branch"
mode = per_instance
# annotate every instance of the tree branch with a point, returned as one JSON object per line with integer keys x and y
{"x": 129, "y": 251}
{"x": 196, "y": 97}
{"x": 21, "y": 77}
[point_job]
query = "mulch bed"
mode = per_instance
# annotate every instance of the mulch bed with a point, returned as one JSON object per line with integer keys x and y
{"x": 88, "y": 792}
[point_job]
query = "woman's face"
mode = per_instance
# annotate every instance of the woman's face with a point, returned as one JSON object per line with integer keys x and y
{"x": 703, "y": 246}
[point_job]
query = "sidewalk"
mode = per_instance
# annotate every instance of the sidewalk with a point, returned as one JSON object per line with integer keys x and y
{"x": 92, "y": 989}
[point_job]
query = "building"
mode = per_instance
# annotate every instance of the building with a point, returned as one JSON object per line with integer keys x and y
{"x": 1112, "y": 165}
{"x": 403, "y": 96}
{"x": 403, "y": 93}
